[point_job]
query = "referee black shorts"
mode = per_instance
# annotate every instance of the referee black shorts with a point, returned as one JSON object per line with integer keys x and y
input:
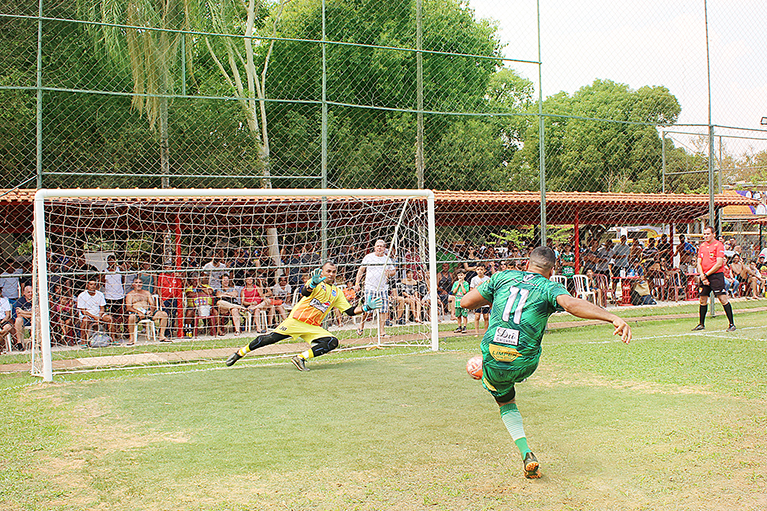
{"x": 715, "y": 284}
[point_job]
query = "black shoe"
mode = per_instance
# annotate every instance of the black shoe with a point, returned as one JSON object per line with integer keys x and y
{"x": 234, "y": 357}
{"x": 300, "y": 363}
{"x": 463, "y": 330}
{"x": 699, "y": 327}
{"x": 458, "y": 330}
{"x": 731, "y": 328}
{"x": 531, "y": 466}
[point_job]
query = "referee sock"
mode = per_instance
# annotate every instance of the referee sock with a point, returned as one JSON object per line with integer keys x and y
{"x": 728, "y": 311}
{"x": 512, "y": 419}
{"x": 702, "y": 313}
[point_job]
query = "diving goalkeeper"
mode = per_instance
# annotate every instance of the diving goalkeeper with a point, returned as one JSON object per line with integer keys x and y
{"x": 319, "y": 296}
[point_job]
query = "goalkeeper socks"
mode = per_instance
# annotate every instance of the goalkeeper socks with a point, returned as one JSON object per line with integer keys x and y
{"x": 512, "y": 419}
{"x": 728, "y": 311}
{"x": 306, "y": 355}
{"x": 702, "y": 314}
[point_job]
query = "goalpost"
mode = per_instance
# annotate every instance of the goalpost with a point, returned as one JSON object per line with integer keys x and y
{"x": 272, "y": 235}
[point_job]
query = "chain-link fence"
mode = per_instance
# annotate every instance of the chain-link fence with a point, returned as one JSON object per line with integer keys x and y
{"x": 440, "y": 94}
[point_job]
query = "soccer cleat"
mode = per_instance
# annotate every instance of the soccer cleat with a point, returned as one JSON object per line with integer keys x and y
{"x": 531, "y": 466}
{"x": 300, "y": 363}
{"x": 699, "y": 327}
{"x": 234, "y": 357}
{"x": 731, "y": 328}
{"x": 457, "y": 330}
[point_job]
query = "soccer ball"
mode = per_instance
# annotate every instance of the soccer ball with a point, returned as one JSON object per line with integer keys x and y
{"x": 474, "y": 367}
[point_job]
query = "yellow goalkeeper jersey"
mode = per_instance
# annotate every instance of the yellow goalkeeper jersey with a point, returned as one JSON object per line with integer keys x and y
{"x": 312, "y": 309}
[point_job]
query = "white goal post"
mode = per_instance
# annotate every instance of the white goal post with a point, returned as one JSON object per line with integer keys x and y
{"x": 76, "y": 203}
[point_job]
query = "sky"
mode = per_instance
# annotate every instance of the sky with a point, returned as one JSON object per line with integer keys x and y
{"x": 647, "y": 42}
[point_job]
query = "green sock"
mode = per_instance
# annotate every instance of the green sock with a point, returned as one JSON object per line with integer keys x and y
{"x": 512, "y": 419}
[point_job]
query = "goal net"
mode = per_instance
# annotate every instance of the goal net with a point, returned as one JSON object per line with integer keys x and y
{"x": 187, "y": 276}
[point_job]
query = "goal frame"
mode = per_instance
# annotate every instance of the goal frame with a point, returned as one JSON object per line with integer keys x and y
{"x": 40, "y": 247}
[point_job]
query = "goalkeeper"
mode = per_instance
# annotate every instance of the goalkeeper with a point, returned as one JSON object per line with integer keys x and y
{"x": 319, "y": 296}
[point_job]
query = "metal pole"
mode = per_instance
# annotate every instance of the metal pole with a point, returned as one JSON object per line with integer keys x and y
{"x": 39, "y": 107}
{"x": 324, "y": 142}
{"x": 711, "y": 207}
{"x": 663, "y": 159}
{"x": 419, "y": 166}
{"x": 541, "y": 145}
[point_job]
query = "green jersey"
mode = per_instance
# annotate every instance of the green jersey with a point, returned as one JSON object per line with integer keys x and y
{"x": 568, "y": 271}
{"x": 521, "y": 305}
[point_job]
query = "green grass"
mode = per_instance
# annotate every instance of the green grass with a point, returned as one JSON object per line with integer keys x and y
{"x": 672, "y": 420}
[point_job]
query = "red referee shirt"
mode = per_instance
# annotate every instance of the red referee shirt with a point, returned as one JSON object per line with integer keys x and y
{"x": 708, "y": 254}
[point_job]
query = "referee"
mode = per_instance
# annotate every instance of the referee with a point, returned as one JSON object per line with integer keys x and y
{"x": 710, "y": 264}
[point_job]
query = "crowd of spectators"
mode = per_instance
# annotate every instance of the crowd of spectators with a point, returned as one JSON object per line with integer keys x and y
{"x": 238, "y": 287}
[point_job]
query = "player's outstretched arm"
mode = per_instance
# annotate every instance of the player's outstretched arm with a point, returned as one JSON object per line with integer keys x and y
{"x": 473, "y": 300}
{"x": 587, "y": 310}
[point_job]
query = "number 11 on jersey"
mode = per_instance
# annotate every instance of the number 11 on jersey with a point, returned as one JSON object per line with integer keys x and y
{"x": 514, "y": 293}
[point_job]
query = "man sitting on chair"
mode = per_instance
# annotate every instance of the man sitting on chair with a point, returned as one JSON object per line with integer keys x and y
{"x": 140, "y": 305}
{"x": 91, "y": 304}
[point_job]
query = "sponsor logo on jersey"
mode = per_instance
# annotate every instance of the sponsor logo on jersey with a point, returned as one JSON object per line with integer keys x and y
{"x": 506, "y": 336}
{"x": 528, "y": 277}
{"x": 503, "y": 354}
{"x": 333, "y": 293}
{"x": 320, "y": 306}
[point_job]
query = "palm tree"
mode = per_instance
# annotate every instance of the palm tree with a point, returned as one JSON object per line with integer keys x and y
{"x": 144, "y": 37}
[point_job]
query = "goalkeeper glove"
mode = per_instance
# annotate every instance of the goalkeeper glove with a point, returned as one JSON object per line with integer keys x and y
{"x": 373, "y": 304}
{"x": 316, "y": 278}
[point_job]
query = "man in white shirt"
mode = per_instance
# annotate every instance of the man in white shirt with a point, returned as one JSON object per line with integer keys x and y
{"x": 9, "y": 282}
{"x": 484, "y": 312}
{"x": 215, "y": 269}
{"x": 114, "y": 290}
{"x": 6, "y": 323}
{"x": 377, "y": 267}
{"x": 91, "y": 304}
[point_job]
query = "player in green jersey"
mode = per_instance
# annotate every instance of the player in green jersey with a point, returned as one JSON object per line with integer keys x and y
{"x": 522, "y": 302}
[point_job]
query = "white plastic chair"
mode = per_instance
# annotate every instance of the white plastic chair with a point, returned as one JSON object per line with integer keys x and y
{"x": 249, "y": 319}
{"x": 582, "y": 289}
{"x": 560, "y": 279}
{"x": 148, "y": 323}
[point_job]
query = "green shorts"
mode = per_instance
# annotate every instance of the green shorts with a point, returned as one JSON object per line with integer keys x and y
{"x": 460, "y": 312}
{"x": 500, "y": 382}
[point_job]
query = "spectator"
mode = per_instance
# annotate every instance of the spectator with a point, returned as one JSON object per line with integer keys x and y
{"x": 140, "y": 305}
{"x": 228, "y": 304}
{"x": 91, "y": 305}
{"x": 604, "y": 255}
{"x": 408, "y": 297}
{"x": 23, "y": 309}
{"x": 6, "y": 320}
{"x": 214, "y": 269}
{"x": 623, "y": 254}
{"x": 282, "y": 291}
{"x": 147, "y": 277}
{"x": 376, "y": 267}
{"x": 686, "y": 253}
{"x": 589, "y": 256}
{"x": 82, "y": 274}
{"x": 444, "y": 286}
{"x": 9, "y": 280}
{"x": 239, "y": 267}
{"x": 635, "y": 256}
{"x": 730, "y": 282}
{"x": 114, "y": 291}
{"x": 739, "y": 273}
{"x": 460, "y": 288}
{"x": 170, "y": 289}
{"x": 199, "y": 297}
{"x": 470, "y": 265}
{"x": 252, "y": 298}
{"x": 567, "y": 264}
{"x": 664, "y": 247}
{"x": 274, "y": 308}
{"x": 62, "y": 318}
{"x": 483, "y": 311}
{"x": 755, "y": 280}
{"x": 599, "y": 293}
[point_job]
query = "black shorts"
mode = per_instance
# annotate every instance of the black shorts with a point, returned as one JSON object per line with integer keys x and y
{"x": 114, "y": 307}
{"x": 715, "y": 284}
{"x": 483, "y": 310}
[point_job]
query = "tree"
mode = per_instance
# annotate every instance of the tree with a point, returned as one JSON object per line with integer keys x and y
{"x": 151, "y": 54}
{"x": 611, "y": 153}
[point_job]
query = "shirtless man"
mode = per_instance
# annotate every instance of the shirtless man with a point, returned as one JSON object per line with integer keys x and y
{"x": 140, "y": 305}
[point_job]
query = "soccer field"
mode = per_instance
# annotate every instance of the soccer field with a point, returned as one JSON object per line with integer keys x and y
{"x": 674, "y": 420}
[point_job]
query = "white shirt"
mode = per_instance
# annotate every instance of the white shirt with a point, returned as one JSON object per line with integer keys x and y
{"x": 375, "y": 271}
{"x": 476, "y": 280}
{"x": 113, "y": 285}
{"x": 5, "y": 306}
{"x": 10, "y": 284}
{"x": 92, "y": 304}
{"x": 215, "y": 271}
{"x": 283, "y": 293}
